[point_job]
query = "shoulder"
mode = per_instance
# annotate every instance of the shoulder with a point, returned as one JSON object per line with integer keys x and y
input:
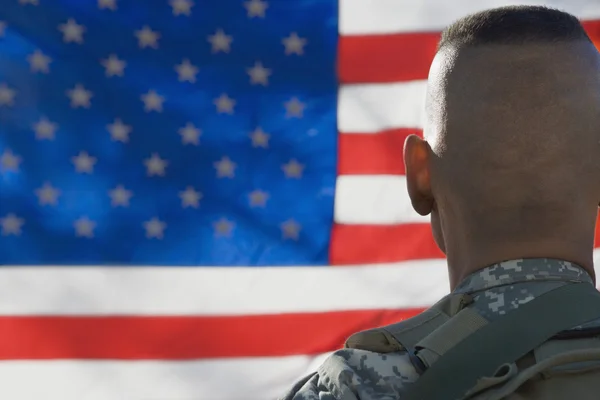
{"x": 352, "y": 374}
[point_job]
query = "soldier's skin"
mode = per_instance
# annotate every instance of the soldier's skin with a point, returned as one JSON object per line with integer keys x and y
{"x": 352, "y": 374}
{"x": 509, "y": 169}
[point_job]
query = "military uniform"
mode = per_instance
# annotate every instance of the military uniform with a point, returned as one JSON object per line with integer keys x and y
{"x": 354, "y": 373}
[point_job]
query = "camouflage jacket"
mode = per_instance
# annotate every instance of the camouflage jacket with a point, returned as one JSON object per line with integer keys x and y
{"x": 352, "y": 374}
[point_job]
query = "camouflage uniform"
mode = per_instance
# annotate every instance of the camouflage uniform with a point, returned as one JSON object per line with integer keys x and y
{"x": 353, "y": 374}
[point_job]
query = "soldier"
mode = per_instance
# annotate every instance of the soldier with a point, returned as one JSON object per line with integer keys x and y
{"x": 510, "y": 173}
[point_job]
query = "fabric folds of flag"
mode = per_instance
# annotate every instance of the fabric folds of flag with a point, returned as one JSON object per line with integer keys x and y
{"x": 200, "y": 200}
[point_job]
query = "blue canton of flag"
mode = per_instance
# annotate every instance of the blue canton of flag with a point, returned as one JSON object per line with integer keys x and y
{"x": 148, "y": 134}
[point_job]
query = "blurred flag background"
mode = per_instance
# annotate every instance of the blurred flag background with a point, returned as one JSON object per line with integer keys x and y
{"x": 202, "y": 199}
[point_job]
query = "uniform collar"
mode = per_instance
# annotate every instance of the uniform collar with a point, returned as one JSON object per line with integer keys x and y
{"x": 523, "y": 270}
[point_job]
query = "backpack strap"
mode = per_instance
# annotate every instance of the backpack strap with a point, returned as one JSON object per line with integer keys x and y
{"x": 552, "y": 348}
{"x": 571, "y": 357}
{"x": 566, "y": 358}
{"x": 506, "y": 340}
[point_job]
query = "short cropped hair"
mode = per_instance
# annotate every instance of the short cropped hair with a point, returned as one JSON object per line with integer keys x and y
{"x": 514, "y": 25}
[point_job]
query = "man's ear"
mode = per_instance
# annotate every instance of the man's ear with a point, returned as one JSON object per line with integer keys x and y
{"x": 418, "y": 179}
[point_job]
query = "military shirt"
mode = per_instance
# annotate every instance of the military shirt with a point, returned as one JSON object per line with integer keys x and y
{"x": 353, "y": 374}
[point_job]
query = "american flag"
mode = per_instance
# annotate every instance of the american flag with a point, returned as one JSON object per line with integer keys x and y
{"x": 202, "y": 199}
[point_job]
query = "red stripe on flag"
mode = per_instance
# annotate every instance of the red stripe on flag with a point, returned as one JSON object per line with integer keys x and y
{"x": 593, "y": 30}
{"x": 597, "y": 237}
{"x": 373, "y": 154}
{"x": 399, "y": 57}
{"x": 369, "y": 244}
{"x": 386, "y": 58}
{"x": 184, "y": 338}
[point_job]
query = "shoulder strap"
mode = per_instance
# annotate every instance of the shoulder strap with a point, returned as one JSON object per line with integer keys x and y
{"x": 406, "y": 334}
{"x": 506, "y": 340}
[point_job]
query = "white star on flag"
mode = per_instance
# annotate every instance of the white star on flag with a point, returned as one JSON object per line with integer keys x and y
{"x": 186, "y": 71}
{"x": 153, "y": 101}
{"x": 290, "y": 229}
{"x": 225, "y": 168}
{"x": 181, "y": 6}
{"x": 258, "y": 198}
{"x": 114, "y": 66}
{"x": 119, "y": 132}
{"x": 11, "y": 225}
{"x": 9, "y": 161}
{"x": 147, "y": 37}
{"x": 294, "y": 108}
{"x": 155, "y": 228}
{"x": 107, "y": 4}
{"x": 84, "y": 163}
{"x": 72, "y": 31}
{"x": 220, "y": 41}
{"x": 190, "y": 197}
{"x": 44, "y": 129}
{"x": 155, "y": 165}
{"x": 259, "y": 138}
{"x": 223, "y": 227}
{"x": 259, "y": 74}
{"x": 120, "y": 196}
{"x": 190, "y": 134}
{"x": 293, "y": 169}
{"x": 80, "y": 97}
{"x": 84, "y": 227}
{"x": 225, "y": 104}
{"x": 294, "y": 44}
{"x": 39, "y": 62}
{"x": 7, "y": 95}
{"x": 47, "y": 194}
{"x": 256, "y": 8}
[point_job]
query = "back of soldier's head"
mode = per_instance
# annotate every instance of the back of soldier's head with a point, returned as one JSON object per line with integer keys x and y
{"x": 513, "y": 119}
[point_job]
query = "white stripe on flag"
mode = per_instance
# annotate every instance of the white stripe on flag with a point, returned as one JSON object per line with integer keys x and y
{"x": 172, "y": 291}
{"x": 259, "y": 378}
{"x": 164, "y": 291}
{"x": 374, "y": 200}
{"x": 360, "y": 17}
{"x": 371, "y": 108}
